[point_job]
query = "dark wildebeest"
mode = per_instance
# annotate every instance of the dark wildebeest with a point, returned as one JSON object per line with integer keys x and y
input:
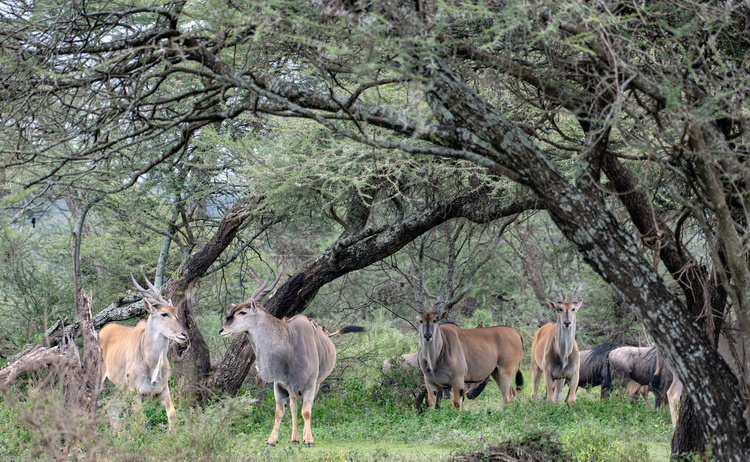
{"x": 640, "y": 365}
{"x": 594, "y": 367}
{"x": 294, "y": 353}
{"x": 450, "y": 357}
{"x": 411, "y": 361}
{"x": 554, "y": 351}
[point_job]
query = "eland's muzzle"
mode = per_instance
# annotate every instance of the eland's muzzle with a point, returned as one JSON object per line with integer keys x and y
{"x": 224, "y": 333}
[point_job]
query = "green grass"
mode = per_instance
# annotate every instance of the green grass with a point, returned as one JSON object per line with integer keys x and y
{"x": 356, "y": 422}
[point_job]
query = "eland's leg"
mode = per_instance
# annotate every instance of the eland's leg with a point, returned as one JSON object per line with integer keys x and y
{"x": 307, "y": 404}
{"x": 431, "y": 393}
{"x": 293, "y": 410}
{"x": 282, "y": 396}
{"x": 555, "y": 391}
{"x": 550, "y": 384}
{"x": 504, "y": 380}
{"x": 166, "y": 400}
{"x": 673, "y": 396}
{"x": 458, "y": 393}
{"x": 644, "y": 394}
{"x": 138, "y": 408}
{"x": 536, "y": 376}
{"x": 573, "y": 388}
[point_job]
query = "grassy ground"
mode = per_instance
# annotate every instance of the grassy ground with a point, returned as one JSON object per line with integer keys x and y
{"x": 358, "y": 423}
{"x": 358, "y": 419}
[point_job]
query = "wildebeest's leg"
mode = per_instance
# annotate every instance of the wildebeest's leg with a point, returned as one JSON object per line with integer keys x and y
{"x": 307, "y": 404}
{"x": 536, "y": 376}
{"x": 166, "y": 400}
{"x": 293, "y": 411}
{"x": 282, "y": 396}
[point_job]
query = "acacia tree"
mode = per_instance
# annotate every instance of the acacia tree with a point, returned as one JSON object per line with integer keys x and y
{"x": 648, "y": 97}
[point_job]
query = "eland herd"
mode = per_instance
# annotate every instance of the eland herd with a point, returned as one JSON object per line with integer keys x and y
{"x": 297, "y": 355}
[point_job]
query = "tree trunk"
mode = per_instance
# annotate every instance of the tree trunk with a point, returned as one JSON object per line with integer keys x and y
{"x": 694, "y": 281}
{"x": 688, "y": 435}
{"x": 192, "y": 362}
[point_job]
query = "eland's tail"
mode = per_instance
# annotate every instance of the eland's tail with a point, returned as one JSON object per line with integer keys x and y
{"x": 519, "y": 380}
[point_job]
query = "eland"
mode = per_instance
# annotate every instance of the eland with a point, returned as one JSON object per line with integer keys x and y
{"x": 554, "y": 351}
{"x": 137, "y": 356}
{"x": 294, "y": 353}
{"x": 451, "y": 357}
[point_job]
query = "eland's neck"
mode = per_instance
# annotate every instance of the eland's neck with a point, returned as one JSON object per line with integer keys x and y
{"x": 154, "y": 346}
{"x": 269, "y": 337}
{"x": 431, "y": 350}
{"x": 564, "y": 340}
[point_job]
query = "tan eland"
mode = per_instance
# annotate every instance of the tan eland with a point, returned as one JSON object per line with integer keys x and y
{"x": 137, "y": 356}
{"x": 451, "y": 357}
{"x": 554, "y": 351}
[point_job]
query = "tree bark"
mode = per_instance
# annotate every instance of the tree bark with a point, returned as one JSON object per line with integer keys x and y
{"x": 688, "y": 435}
{"x": 699, "y": 289}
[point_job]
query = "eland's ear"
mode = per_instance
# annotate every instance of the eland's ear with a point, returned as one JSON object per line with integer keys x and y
{"x": 443, "y": 315}
{"x": 578, "y": 305}
{"x": 149, "y": 307}
{"x": 552, "y": 305}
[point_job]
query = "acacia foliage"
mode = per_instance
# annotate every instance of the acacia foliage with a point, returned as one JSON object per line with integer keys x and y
{"x": 650, "y": 97}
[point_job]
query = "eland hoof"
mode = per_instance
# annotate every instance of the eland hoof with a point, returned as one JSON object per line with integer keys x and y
{"x": 309, "y": 445}
{"x": 270, "y": 445}
{"x": 295, "y": 442}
